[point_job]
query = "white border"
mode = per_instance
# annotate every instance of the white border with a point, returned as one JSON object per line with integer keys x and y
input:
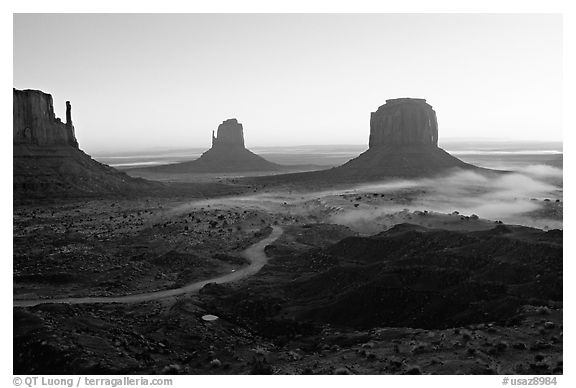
{"x": 307, "y": 6}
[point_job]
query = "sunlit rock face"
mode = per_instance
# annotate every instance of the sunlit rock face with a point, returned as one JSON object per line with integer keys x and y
{"x": 230, "y": 134}
{"x": 403, "y": 122}
{"x": 35, "y": 122}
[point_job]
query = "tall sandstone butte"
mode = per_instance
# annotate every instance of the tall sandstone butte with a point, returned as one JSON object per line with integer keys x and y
{"x": 403, "y": 121}
{"x": 230, "y": 134}
{"x": 47, "y": 161}
{"x": 35, "y": 121}
{"x": 228, "y": 154}
{"x": 403, "y": 143}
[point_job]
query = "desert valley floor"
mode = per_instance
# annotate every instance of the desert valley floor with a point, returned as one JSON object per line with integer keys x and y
{"x": 372, "y": 279}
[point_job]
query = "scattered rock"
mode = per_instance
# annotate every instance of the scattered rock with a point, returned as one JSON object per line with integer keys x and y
{"x": 342, "y": 371}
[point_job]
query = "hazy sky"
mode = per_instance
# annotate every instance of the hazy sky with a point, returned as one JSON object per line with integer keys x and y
{"x": 166, "y": 80}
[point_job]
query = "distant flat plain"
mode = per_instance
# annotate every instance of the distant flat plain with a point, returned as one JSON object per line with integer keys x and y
{"x": 491, "y": 154}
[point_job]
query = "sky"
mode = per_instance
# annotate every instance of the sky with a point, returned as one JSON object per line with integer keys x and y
{"x": 153, "y": 81}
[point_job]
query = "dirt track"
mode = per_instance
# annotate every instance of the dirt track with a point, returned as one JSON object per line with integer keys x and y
{"x": 255, "y": 254}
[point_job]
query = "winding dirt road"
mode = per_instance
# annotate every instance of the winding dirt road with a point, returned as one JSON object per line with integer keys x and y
{"x": 255, "y": 254}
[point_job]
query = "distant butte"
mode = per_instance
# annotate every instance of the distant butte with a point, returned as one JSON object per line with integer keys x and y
{"x": 403, "y": 143}
{"x": 230, "y": 135}
{"x": 228, "y": 154}
{"x": 403, "y": 121}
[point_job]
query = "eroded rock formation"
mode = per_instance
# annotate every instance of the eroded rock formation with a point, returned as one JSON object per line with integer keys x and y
{"x": 47, "y": 161}
{"x": 403, "y": 143}
{"x": 230, "y": 134}
{"x": 228, "y": 154}
{"x": 36, "y": 123}
{"x": 403, "y": 121}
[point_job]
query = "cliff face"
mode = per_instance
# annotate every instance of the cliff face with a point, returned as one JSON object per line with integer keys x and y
{"x": 35, "y": 122}
{"x": 404, "y": 121}
{"x": 47, "y": 162}
{"x": 230, "y": 134}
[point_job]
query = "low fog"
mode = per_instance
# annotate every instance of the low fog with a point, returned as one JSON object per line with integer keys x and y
{"x": 524, "y": 197}
{"x": 516, "y": 198}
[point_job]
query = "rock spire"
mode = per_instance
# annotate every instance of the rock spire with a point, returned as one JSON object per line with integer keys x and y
{"x": 35, "y": 121}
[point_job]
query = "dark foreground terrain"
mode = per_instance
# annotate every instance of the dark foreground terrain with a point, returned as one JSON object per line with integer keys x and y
{"x": 434, "y": 294}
